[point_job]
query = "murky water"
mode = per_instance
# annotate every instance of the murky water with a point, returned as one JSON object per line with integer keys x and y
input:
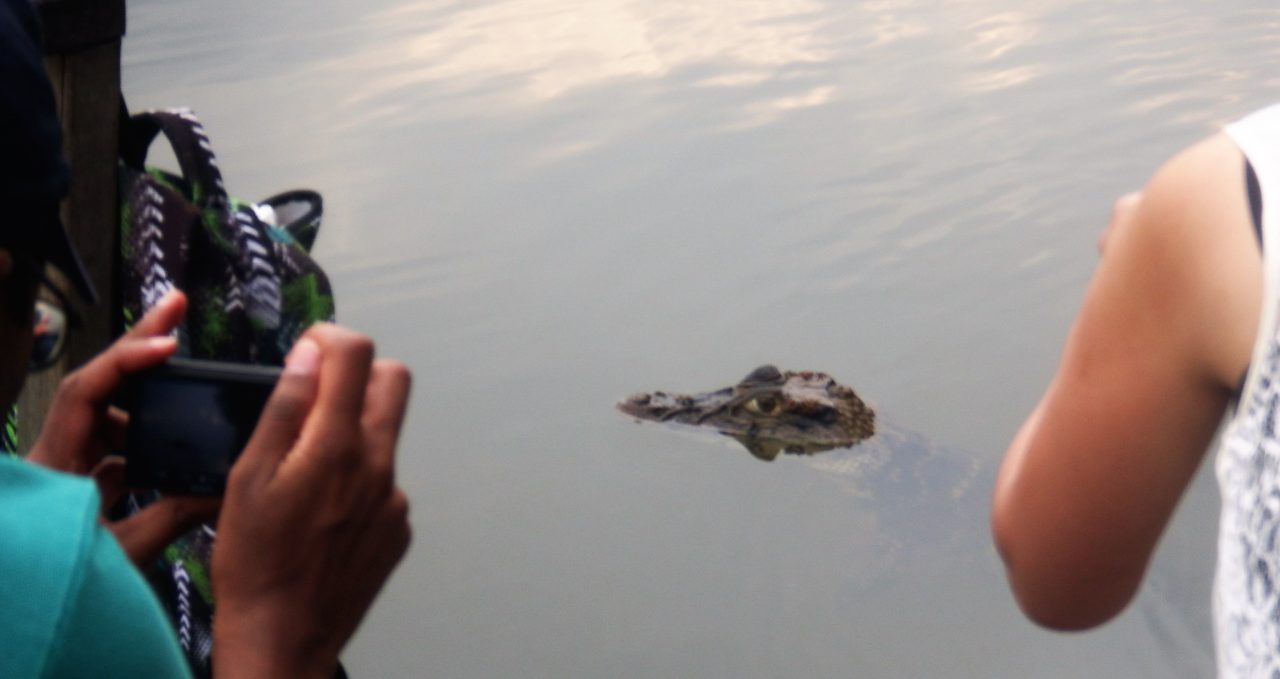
{"x": 544, "y": 205}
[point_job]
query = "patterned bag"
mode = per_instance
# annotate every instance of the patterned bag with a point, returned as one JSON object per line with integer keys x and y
{"x": 252, "y": 289}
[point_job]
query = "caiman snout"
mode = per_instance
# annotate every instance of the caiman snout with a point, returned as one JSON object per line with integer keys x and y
{"x": 658, "y": 406}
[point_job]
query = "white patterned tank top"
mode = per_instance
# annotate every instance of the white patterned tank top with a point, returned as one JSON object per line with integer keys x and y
{"x": 1246, "y": 598}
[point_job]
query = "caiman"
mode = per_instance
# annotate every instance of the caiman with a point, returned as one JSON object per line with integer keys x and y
{"x": 811, "y": 415}
{"x": 769, "y": 412}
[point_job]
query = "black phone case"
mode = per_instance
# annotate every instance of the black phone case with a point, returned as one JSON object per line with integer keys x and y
{"x": 189, "y": 421}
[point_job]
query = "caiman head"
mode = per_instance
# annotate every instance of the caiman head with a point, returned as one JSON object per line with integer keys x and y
{"x": 769, "y": 411}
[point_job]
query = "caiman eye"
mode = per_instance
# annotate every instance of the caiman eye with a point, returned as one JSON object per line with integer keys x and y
{"x": 764, "y": 405}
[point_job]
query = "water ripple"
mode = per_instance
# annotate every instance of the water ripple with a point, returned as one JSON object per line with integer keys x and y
{"x": 545, "y": 49}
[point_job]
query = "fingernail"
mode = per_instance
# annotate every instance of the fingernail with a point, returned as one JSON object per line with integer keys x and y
{"x": 171, "y": 297}
{"x": 304, "y": 358}
{"x": 163, "y": 342}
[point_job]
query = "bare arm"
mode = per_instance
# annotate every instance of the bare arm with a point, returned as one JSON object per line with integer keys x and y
{"x": 1163, "y": 337}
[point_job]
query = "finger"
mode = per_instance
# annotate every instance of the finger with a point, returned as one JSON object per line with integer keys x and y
{"x": 385, "y": 402}
{"x": 284, "y": 414}
{"x": 384, "y": 543}
{"x": 145, "y": 534}
{"x": 1126, "y": 203}
{"x": 348, "y": 359}
{"x": 381, "y": 545}
{"x": 115, "y": 428}
{"x": 75, "y": 434}
{"x": 1121, "y": 212}
{"x": 102, "y": 376}
{"x": 332, "y": 435}
{"x": 109, "y": 475}
{"x": 396, "y": 516}
{"x": 76, "y": 442}
{"x": 162, "y": 318}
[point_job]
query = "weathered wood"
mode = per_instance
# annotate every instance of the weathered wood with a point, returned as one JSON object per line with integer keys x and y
{"x": 82, "y": 45}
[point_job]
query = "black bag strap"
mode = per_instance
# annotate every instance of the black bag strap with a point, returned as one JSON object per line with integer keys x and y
{"x": 298, "y": 212}
{"x": 190, "y": 146}
{"x": 250, "y": 245}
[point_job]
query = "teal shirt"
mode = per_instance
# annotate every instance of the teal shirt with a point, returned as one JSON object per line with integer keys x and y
{"x": 71, "y": 603}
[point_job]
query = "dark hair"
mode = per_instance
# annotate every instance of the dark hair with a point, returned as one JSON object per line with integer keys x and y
{"x": 23, "y": 231}
{"x": 27, "y": 225}
{"x": 18, "y": 290}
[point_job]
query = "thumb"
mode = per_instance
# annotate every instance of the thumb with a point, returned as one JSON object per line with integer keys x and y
{"x": 109, "y": 475}
{"x": 285, "y": 413}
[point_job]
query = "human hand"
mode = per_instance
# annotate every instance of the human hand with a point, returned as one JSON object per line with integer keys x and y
{"x": 312, "y": 522}
{"x": 1121, "y": 212}
{"x": 82, "y": 427}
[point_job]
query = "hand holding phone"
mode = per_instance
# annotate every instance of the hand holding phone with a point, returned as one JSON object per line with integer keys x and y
{"x": 313, "y": 522}
{"x": 81, "y": 428}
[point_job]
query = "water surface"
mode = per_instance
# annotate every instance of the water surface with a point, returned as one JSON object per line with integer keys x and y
{"x": 544, "y": 205}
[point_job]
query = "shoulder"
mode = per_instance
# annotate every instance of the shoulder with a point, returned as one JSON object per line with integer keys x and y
{"x": 113, "y": 624}
{"x": 34, "y": 501}
{"x": 1187, "y": 268}
{"x": 46, "y": 521}
{"x": 1198, "y": 196}
{"x": 69, "y": 594}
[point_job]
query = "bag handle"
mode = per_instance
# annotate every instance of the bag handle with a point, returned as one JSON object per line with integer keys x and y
{"x": 190, "y": 145}
{"x": 252, "y": 269}
{"x": 297, "y": 212}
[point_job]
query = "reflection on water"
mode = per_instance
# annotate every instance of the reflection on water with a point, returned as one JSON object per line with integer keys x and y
{"x": 527, "y": 52}
{"x": 520, "y": 53}
{"x": 551, "y": 47}
{"x": 540, "y": 204}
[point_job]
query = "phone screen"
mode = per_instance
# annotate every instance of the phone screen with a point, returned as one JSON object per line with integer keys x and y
{"x": 185, "y": 432}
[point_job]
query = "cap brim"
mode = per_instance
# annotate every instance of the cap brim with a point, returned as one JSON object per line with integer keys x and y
{"x": 62, "y": 255}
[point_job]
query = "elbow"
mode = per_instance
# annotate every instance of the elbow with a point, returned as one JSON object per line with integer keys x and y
{"x": 1050, "y": 611}
{"x": 1054, "y": 590}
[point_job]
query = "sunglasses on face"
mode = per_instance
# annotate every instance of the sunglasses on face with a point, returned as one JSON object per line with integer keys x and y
{"x": 52, "y": 318}
{"x": 49, "y": 332}
{"x": 52, "y": 314}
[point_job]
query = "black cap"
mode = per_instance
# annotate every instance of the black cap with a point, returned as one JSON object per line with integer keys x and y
{"x": 33, "y": 173}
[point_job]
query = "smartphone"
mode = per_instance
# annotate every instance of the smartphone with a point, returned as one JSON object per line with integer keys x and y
{"x": 189, "y": 420}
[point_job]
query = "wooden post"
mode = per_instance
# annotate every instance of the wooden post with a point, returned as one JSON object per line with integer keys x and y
{"x": 82, "y": 54}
